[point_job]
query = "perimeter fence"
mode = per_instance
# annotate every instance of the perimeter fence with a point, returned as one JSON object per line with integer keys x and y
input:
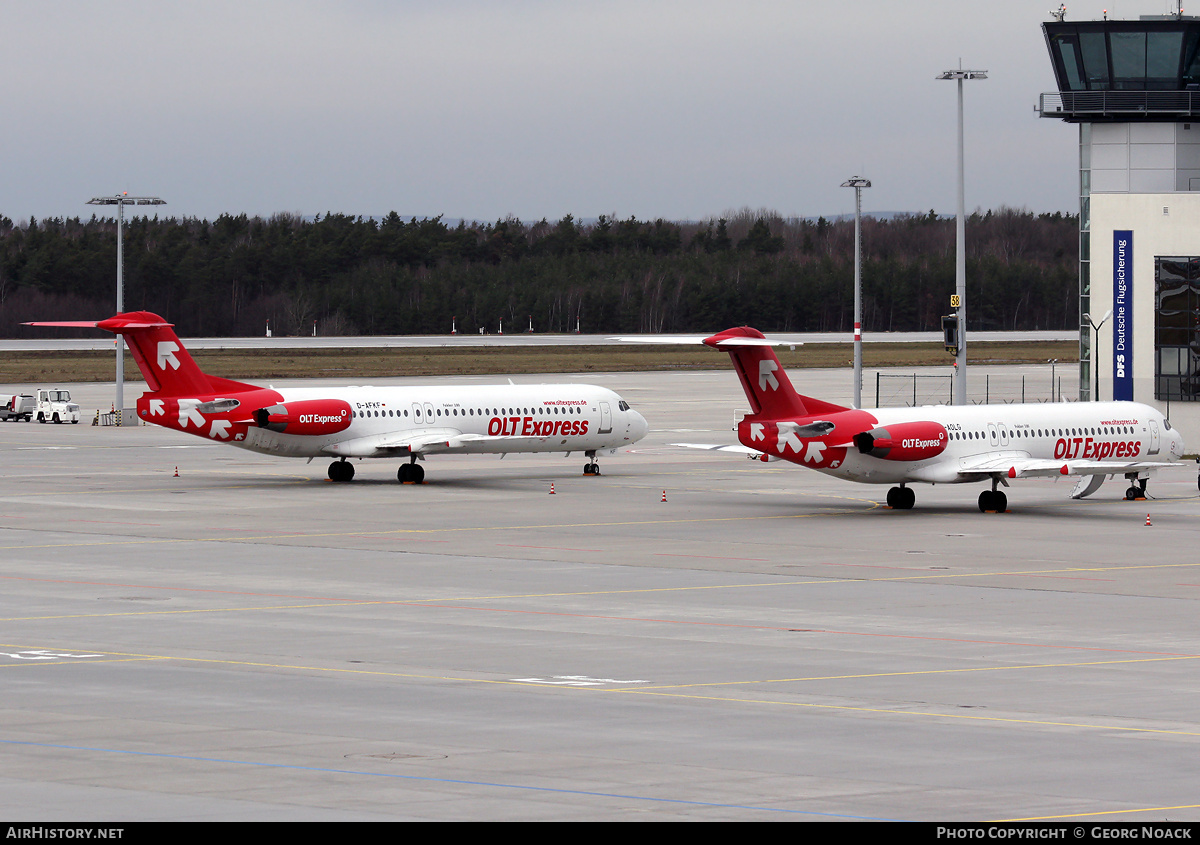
{"x": 912, "y": 389}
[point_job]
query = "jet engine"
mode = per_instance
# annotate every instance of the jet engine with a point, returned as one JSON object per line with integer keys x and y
{"x": 911, "y": 441}
{"x": 310, "y": 416}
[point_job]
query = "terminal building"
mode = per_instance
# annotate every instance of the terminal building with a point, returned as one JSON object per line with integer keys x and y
{"x": 1133, "y": 90}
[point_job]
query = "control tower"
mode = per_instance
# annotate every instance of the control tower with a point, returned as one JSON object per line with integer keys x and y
{"x": 1133, "y": 89}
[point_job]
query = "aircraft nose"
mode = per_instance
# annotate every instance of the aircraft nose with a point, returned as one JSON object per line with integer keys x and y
{"x": 639, "y": 426}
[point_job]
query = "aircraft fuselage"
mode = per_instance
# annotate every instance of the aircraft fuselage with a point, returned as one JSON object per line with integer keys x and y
{"x": 367, "y": 422}
{"x": 942, "y": 444}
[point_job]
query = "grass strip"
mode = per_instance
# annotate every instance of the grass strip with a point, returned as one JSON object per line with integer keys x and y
{"x": 44, "y": 368}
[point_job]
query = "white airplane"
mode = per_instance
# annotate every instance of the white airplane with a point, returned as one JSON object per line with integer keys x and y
{"x": 408, "y": 423}
{"x": 940, "y": 444}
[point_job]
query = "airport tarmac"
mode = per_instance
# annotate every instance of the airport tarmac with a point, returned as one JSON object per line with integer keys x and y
{"x": 248, "y": 641}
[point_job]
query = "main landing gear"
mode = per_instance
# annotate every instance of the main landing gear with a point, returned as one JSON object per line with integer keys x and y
{"x": 994, "y": 500}
{"x": 901, "y": 498}
{"x": 591, "y": 468}
{"x": 1137, "y": 489}
{"x": 411, "y": 473}
{"x": 341, "y": 470}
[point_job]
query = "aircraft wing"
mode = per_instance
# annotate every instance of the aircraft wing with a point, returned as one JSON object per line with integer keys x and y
{"x": 431, "y": 441}
{"x": 434, "y": 444}
{"x": 428, "y": 440}
{"x": 987, "y": 466}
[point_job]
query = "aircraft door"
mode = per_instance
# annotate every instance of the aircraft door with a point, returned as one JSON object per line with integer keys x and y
{"x": 418, "y": 414}
{"x": 1003, "y": 434}
{"x": 605, "y": 418}
{"x": 995, "y": 435}
{"x": 1153, "y": 438}
{"x": 428, "y": 414}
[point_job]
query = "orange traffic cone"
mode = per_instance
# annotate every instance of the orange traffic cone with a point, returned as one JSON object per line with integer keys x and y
{"x": 1148, "y": 519}
{"x": 664, "y": 498}
{"x": 176, "y": 472}
{"x": 551, "y": 488}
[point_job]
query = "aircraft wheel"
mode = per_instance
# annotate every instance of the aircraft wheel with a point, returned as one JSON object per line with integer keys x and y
{"x": 410, "y": 474}
{"x": 908, "y": 498}
{"x": 985, "y": 501}
{"x": 341, "y": 471}
{"x": 1000, "y": 501}
{"x": 1131, "y": 494}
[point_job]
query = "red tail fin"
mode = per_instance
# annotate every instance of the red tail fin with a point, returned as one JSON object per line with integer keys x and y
{"x": 165, "y": 364}
{"x": 766, "y": 383}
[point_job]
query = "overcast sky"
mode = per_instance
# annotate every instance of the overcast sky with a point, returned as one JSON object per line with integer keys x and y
{"x": 480, "y": 110}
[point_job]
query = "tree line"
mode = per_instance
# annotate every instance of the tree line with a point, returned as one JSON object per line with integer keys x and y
{"x": 353, "y": 275}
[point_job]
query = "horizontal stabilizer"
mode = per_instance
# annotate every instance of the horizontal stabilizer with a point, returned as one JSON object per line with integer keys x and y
{"x": 69, "y": 324}
{"x": 693, "y": 339}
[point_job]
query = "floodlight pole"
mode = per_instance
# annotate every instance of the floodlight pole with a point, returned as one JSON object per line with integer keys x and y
{"x": 960, "y": 263}
{"x": 120, "y": 201}
{"x": 1096, "y": 328}
{"x": 857, "y": 183}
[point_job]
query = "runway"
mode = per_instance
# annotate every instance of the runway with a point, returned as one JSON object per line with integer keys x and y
{"x": 103, "y": 341}
{"x": 248, "y": 641}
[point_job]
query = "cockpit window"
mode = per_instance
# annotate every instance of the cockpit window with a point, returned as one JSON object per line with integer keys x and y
{"x": 623, "y": 405}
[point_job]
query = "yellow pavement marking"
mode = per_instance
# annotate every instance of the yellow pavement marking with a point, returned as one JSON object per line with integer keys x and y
{"x": 666, "y": 692}
{"x": 1102, "y": 813}
{"x": 796, "y": 582}
{"x": 1013, "y": 667}
{"x": 402, "y": 531}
